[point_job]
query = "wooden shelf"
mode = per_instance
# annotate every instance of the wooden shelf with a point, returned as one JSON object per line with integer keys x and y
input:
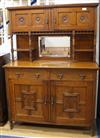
{"x": 84, "y": 32}
{"x": 24, "y": 50}
{"x": 52, "y": 33}
{"x": 84, "y": 50}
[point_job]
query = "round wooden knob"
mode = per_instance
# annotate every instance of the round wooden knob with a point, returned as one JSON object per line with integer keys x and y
{"x": 21, "y": 20}
{"x": 82, "y": 18}
{"x": 37, "y": 19}
{"x": 65, "y": 19}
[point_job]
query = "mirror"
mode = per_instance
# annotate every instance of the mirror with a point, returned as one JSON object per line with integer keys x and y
{"x": 54, "y": 46}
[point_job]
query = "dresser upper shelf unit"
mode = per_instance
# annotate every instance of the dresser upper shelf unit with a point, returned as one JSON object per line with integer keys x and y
{"x": 77, "y": 21}
{"x": 53, "y": 18}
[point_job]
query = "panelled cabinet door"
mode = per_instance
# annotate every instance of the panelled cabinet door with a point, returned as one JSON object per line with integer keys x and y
{"x": 72, "y": 103}
{"x": 39, "y": 20}
{"x": 29, "y": 101}
{"x": 64, "y": 18}
{"x": 86, "y": 18}
{"x": 21, "y": 21}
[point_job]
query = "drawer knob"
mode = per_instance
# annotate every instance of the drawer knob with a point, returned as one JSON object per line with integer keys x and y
{"x": 82, "y": 76}
{"x": 60, "y": 76}
{"x": 37, "y": 75}
{"x": 19, "y": 75}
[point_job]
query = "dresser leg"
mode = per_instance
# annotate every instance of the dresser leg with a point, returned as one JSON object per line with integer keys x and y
{"x": 93, "y": 128}
{"x": 11, "y": 124}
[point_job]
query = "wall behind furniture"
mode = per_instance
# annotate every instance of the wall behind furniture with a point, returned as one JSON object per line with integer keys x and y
{"x": 75, "y": 1}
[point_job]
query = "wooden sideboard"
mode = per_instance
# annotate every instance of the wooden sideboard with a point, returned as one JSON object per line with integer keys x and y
{"x": 45, "y": 93}
{"x": 57, "y": 91}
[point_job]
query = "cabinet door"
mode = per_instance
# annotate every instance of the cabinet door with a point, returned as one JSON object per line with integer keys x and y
{"x": 28, "y": 100}
{"x": 71, "y": 103}
{"x": 86, "y": 18}
{"x": 20, "y": 21}
{"x": 39, "y": 20}
{"x": 65, "y": 18}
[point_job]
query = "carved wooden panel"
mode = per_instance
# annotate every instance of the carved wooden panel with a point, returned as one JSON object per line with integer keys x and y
{"x": 21, "y": 21}
{"x": 85, "y": 18}
{"x": 72, "y": 102}
{"x": 29, "y": 100}
{"x": 39, "y": 20}
{"x": 65, "y": 18}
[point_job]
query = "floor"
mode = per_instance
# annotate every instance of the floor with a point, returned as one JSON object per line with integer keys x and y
{"x": 32, "y": 131}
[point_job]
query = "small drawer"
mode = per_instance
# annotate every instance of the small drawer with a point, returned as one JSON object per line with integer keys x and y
{"x": 39, "y": 74}
{"x": 71, "y": 75}
{"x": 35, "y": 74}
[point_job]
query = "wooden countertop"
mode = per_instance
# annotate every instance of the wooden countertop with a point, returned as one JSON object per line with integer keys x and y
{"x": 52, "y": 64}
{"x": 53, "y": 6}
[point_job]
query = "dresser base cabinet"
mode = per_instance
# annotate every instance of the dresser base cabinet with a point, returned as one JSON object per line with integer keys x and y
{"x": 42, "y": 96}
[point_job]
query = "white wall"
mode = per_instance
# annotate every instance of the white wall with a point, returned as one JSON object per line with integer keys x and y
{"x": 5, "y": 48}
{"x": 66, "y": 1}
{"x": 75, "y": 1}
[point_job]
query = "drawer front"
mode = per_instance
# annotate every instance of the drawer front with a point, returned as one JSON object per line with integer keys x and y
{"x": 35, "y": 74}
{"x": 71, "y": 75}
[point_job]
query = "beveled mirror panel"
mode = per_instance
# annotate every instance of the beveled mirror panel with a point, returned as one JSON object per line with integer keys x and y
{"x": 54, "y": 46}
